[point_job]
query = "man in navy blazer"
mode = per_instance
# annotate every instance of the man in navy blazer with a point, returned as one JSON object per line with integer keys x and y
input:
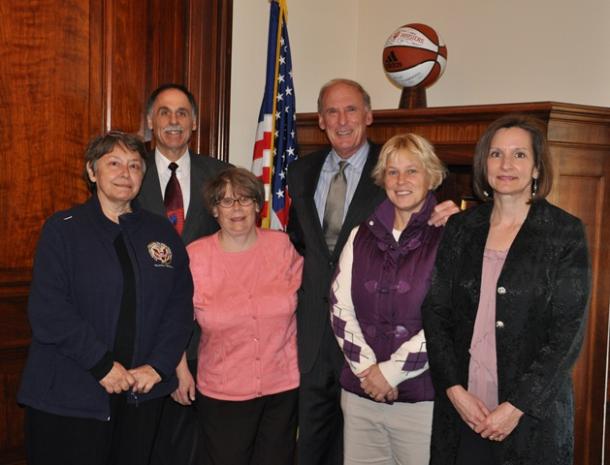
{"x": 171, "y": 114}
{"x": 344, "y": 113}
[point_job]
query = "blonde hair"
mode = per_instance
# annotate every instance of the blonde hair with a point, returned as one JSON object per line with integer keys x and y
{"x": 418, "y": 146}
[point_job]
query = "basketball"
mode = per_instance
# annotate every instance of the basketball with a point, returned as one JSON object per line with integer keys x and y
{"x": 414, "y": 56}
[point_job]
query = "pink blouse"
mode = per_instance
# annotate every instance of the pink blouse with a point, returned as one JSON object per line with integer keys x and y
{"x": 245, "y": 303}
{"x": 483, "y": 370}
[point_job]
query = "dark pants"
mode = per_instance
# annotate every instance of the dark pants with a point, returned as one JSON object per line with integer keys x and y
{"x": 473, "y": 449}
{"x": 126, "y": 439}
{"x": 320, "y": 418}
{"x": 179, "y": 440}
{"x": 259, "y": 431}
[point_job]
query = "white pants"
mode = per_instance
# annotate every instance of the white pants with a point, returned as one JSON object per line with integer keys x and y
{"x": 384, "y": 434}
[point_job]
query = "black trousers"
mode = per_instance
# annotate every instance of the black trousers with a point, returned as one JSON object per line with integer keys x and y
{"x": 259, "y": 431}
{"x": 320, "y": 419}
{"x": 179, "y": 439}
{"x": 126, "y": 439}
{"x": 473, "y": 449}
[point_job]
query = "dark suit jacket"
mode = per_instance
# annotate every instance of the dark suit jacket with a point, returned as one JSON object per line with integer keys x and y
{"x": 306, "y": 233}
{"x": 541, "y": 301}
{"x": 198, "y": 221}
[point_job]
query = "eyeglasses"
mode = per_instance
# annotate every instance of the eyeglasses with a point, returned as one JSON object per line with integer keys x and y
{"x": 228, "y": 202}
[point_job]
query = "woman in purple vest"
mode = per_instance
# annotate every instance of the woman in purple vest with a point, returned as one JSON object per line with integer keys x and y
{"x": 382, "y": 279}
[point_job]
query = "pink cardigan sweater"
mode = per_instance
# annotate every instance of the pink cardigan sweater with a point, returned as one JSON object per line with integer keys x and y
{"x": 245, "y": 303}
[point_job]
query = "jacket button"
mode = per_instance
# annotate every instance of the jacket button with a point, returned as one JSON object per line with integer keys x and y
{"x": 501, "y": 290}
{"x": 499, "y": 324}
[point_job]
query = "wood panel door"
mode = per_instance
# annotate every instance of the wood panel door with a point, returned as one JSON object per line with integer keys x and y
{"x": 72, "y": 69}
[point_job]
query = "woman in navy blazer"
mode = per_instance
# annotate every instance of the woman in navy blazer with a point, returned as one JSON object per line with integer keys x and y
{"x": 505, "y": 315}
{"x": 110, "y": 308}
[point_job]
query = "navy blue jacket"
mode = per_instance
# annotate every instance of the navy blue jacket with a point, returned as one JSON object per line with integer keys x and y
{"x": 75, "y": 300}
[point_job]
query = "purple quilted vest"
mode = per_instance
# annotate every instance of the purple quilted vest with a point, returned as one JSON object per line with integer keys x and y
{"x": 389, "y": 283}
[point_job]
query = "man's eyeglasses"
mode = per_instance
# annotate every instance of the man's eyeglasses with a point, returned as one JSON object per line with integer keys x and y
{"x": 228, "y": 202}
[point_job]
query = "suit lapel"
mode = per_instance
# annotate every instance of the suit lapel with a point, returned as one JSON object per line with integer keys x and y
{"x": 150, "y": 193}
{"x": 310, "y": 181}
{"x": 196, "y": 201}
{"x": 523, "y": 252}
{"x": 473, "y": 245}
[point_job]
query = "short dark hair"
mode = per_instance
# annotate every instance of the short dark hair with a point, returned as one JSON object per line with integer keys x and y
{"x": 542, "y": 155}
{"x": 171, "y": 85}
{"x": 101, "y": 145}
{"x": 242, "y": 181}
{"x": 366, "y": 98}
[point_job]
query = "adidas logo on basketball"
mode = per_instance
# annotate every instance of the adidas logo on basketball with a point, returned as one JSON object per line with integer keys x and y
{"x": 392, "y": 62}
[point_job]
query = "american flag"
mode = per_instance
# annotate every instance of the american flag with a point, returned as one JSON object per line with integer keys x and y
{"x": 275, "y": 146}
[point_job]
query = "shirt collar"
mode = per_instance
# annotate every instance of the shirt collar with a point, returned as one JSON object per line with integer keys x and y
{"x": 163, "y": 163}
{"x": 357, "y": 160}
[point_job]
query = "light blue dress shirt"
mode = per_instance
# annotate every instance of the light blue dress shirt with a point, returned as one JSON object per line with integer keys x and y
{"x": 353, "y": 171}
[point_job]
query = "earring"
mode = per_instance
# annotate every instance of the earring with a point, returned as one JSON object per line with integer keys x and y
{"x": 486, "y": 194}
{"x": 534, "y": 187}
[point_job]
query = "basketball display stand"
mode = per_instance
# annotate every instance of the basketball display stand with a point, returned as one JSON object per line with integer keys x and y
{"x": 413, "y": 97}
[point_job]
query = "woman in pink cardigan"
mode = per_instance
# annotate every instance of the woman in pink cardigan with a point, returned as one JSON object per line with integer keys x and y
{"x": 245, "y": 281}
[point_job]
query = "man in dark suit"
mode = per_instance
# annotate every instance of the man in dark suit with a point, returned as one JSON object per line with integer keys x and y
{"x": 344, "y": 110}
{"x": 171, "y": 114}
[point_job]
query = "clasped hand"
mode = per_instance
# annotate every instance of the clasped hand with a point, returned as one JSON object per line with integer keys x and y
{"x": 494, "y": 425}
{"x": 139, "y": 380}
{"x": 376, "y": 386}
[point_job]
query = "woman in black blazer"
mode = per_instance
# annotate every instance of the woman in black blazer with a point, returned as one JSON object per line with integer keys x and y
{"x": 505, "y": 315}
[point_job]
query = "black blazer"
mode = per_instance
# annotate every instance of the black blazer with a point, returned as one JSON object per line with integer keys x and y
{"x": 306, "y": 234}
{"x": 541, "y": 301}
{"x": 198, "y": 221}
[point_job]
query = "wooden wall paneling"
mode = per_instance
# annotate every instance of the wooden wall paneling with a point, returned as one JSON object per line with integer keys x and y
{"x": 70, "y": 70}
{"x": 579, "y": 139}
{"x": 98, "y": 116}
{"x": 45, "y": 114}
{"x": 14, "y": 337}
{"x": 580, "y": 143}
{"x": 209, "y": 73}
{"x": 125, "y": 51}
{"x": 39, "y": 174}
{"x": 168, "y": 51}
{"x": 11, "y": 426}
